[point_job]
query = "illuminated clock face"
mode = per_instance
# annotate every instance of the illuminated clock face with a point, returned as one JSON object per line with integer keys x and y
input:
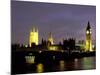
{"x": 87, "y": 32}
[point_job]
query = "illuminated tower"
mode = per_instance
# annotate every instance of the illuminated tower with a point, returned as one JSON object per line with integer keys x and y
{"x": 50, "y": 39}
{"x": 88, "y": 38}
{"x": 33, "y": 38}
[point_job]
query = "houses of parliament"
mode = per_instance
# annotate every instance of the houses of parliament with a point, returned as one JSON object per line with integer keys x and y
{"x": 34, "y": 39}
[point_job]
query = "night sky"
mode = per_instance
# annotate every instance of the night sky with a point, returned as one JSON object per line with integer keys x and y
{"x": 62, "y": 20}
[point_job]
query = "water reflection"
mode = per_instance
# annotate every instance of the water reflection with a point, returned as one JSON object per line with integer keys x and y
{"x": 76, "y": 63}
{"x": 30, "y": 59}
{"x": 62, "y": 65}
{"x": 88, "y": 62}
{"x": 40, "y": 68}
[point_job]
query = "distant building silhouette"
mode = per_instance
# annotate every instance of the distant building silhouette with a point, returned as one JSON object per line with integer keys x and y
{"x": 33, "y": 37}
{"x": 69, "y": 44}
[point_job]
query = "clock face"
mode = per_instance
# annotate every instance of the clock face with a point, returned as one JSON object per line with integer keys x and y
{"x": 87, "y": 32}
{"x": 90, "y": 31}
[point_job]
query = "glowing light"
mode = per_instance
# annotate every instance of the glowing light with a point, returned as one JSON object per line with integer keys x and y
{"x": 30, "y": 59}
{"x": 40, "y": 68}
{"x": 50, "y": 39}
{"x": 62, "y": 65}
{"x": 53, "y": 57}
{"x": 93, "y": 46}
{"x": 86, "y": 62}
{"x": 87, "y": 32}
{"x": 76, "y": 63}
{"x": 33, "y": 37}
{"x": 40, "y": 51}
{"x": 88, "y": 46}
{"x": 52, "y": 48}
{"x": 75, "y": 59}
{"x": 62, "y": 51}
{"x": 26, "y": 46}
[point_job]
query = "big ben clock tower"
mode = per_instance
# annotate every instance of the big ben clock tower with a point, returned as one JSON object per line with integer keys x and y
{"x": 88, "y": 46}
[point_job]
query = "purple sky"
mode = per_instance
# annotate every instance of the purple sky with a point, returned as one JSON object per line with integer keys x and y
{"x": 62, "y": 20}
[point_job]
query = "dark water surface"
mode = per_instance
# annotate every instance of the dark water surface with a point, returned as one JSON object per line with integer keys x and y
{"x": 84, "y": 63}
{"x": 36, "y": 62}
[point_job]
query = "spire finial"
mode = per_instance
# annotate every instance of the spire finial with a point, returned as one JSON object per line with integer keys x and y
{"x": 88, "y": 23}
{"x": 88, "y": 26}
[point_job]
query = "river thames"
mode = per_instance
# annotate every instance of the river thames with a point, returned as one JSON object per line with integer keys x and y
{"x": 85, "y": 63}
